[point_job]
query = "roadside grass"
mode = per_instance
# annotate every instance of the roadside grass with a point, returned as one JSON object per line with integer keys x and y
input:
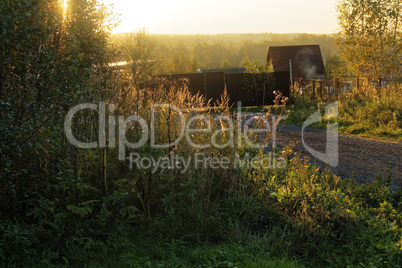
{"x": 299, "y": 110}
{"x": 374, "y": 113}
{"x": 250, "y": 109}
{"x": 272, "y": 109}
{"x": 371, "y": 113}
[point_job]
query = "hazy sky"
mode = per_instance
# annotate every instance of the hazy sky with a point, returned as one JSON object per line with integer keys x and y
{"x": 225, "y": 16}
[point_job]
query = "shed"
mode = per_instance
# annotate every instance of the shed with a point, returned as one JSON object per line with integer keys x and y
{"x": 306, "y": 60}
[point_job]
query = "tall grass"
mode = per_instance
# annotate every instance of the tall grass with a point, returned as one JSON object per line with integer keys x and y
{"x": 370, "y": 112}
{"x": 373, "y": 111}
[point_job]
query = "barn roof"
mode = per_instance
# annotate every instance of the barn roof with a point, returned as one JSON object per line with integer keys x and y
{"x": 307, "y": 61}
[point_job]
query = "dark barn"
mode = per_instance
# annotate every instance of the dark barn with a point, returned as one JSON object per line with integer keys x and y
{"x": 212, "y": 82}
{"x": 305, "y": 60}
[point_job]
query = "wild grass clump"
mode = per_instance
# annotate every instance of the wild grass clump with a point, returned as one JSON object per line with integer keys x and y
{"x": 374, "y": 111}
{"x": 370, "y": 112}
{"x": 301, "y": 108}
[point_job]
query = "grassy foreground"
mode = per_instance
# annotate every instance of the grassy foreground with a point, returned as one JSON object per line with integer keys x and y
{"x": 284, "y": 213}
{"x": 297, "y": 217}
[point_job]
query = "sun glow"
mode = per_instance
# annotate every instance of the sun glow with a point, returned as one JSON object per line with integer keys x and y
{"x": 224, "y": 16}
{"x": 64, "y": 5}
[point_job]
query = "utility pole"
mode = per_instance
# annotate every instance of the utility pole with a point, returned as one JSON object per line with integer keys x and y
{"x": 291, "y": 74}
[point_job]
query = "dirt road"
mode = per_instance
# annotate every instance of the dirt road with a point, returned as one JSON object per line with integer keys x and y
{"x": 359, "y": 158}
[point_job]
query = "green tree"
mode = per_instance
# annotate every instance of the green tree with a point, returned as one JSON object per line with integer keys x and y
{"x": 140, "y": 48}
{"x": 88, "y": 24}
{"x": 46, "y": 66}
{"x": 226, "y": 64}
{"x": 259, "y": 81}
{"x": 335, "y": 66}
{"x": 245, "y": 61}
{"x": 370, "y": 36}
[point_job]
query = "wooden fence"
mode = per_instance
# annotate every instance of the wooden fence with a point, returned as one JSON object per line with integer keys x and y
{"x": 212, "y": 85}
{"x": 320, "y": 89}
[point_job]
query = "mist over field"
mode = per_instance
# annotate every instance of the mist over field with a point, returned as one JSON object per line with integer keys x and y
{"x": 186, "y": 53}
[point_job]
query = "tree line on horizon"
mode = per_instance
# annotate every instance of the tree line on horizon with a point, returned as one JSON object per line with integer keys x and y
{"x": 368, "y": 44}
{"x": 187, "y": 53}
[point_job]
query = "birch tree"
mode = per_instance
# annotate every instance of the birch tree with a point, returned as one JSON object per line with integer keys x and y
{"x": 370, "y": 36}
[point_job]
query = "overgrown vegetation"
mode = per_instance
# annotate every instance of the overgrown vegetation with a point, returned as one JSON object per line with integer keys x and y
{"x": 373, "y": 112}
{"x": 259, "y": 80}
{"x": 65, "y": 206}
{"x": 370, "y": 112}
{"x": 288, "y": 217}
{"x": 370, "y": 37}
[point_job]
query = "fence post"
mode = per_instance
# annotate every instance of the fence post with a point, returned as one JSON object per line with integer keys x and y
{"x": 329, "y": 85}
{"x": 205, "y": 86}
{"x": 313, "y": 91}
{"x": 336, "y": 86}
{"x": 321, "y": 89}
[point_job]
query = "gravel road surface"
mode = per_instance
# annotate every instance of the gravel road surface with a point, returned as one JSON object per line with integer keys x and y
{"x": 359, "y": 158}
